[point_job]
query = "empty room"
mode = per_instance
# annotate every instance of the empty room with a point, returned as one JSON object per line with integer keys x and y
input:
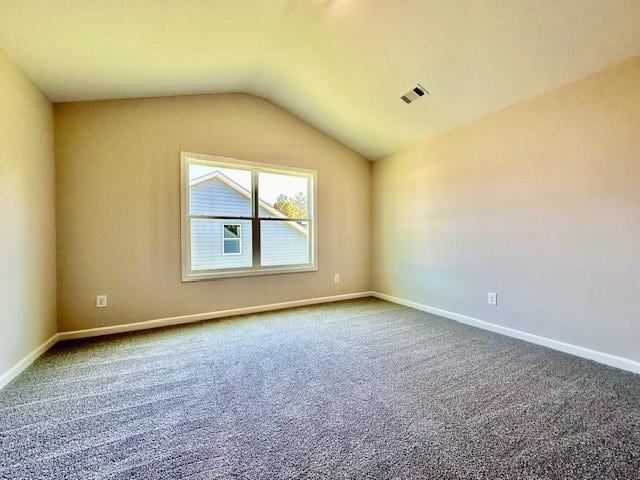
{"x": 320, "y": 239}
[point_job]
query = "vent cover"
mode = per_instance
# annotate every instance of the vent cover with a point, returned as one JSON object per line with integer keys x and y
{"x": 414, "y": 93}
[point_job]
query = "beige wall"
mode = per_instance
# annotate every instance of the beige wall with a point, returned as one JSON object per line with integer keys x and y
{"x": 27, "y": 218}
{"x": 539, "y": 202}
{"x": 119, "y": 205}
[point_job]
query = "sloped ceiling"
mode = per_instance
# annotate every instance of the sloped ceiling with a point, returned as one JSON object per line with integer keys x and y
{"x": 339, "y": 64}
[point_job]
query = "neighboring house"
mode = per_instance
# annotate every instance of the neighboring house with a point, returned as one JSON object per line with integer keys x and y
{"x": 227, "y": 243}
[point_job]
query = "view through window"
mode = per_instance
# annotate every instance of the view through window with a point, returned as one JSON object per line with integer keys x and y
{"x": 243, "y": 218}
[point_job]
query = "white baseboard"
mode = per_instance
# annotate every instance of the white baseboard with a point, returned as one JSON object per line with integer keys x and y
{"x": 198, "y": 317}
{"x": 19, "y": 367}
{"x": 600, "y": 357}
{"x": 22, "y": 365}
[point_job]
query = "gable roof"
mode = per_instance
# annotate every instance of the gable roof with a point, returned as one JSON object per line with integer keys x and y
{"x": 218, "y": 175}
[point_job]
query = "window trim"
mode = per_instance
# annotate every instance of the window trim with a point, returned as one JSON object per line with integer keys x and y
{"x": 238, "y": 238}
{"x": 188, "y": 158}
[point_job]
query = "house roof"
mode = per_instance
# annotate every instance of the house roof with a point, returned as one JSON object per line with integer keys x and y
{"x": 218, "y": 175}
{"x": 341, "y": 65}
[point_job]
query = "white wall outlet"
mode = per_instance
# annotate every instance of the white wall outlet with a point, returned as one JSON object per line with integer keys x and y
{"x": 101, "y": 301}
{"x": 492, "y": 298}
{"x": 336, "y": 278}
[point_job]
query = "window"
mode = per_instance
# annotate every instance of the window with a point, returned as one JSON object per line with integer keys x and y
{"x": 244, "y": 218}
{"x": 231, "y": 240}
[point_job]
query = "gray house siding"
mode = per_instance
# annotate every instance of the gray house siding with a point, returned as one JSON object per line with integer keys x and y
{"x": 206, "y": 245}
{"x": 213, "y": 197}
{"x": 281, "y": 243}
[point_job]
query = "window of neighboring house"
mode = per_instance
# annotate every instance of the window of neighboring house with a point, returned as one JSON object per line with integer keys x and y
{"x": 231, "y": 240}
{"x": 266, "y": 214}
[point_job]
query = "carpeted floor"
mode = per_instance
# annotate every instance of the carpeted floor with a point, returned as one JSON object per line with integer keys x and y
{"x": 361, "y": 390}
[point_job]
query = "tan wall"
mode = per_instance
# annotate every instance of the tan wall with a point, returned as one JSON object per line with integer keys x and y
{"x": 539, "y": 202}
{"x": 27, "y": 217}
{"x": 119, "y": 205}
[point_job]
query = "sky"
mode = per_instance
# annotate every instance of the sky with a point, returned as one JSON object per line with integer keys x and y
{"x": 271, "y": 184}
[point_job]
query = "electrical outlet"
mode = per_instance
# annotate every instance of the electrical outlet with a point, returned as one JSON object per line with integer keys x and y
{"x": 336, "y": 278}
{"x": 492, "y": 298}
{"x": 101, "y": 301}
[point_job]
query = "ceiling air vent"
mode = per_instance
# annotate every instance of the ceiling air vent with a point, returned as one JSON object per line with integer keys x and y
{"x": 414, "y": 94}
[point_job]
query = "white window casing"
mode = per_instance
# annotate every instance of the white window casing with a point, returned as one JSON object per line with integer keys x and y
{"x": 218, "y": 191}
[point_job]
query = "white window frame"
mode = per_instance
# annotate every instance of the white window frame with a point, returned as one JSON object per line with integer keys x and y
{"x": 238, "y": 238}
{"x": 188, "y": 275}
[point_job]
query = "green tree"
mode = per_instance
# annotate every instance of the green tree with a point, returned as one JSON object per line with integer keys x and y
{"x": 292, "y": 207}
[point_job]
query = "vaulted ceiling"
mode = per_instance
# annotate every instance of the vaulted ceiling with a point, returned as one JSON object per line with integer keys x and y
{"x": 339, "y": 64}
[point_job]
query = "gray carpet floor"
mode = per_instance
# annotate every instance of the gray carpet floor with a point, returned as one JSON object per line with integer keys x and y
{"x": 362, "y": 389}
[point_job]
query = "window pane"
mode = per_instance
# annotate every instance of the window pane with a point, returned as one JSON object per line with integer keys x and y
{"x": 232, "y": 247}
{"x": 231, "y": 231}
{"x": 284, "y": 243}
{"x": 283, "y": 195}
{"x": 208, "y": 245}
{"x": 219, "y": 190}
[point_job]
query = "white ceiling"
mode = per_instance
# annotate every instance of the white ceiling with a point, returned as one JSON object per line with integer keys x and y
{"x": 339, "y": 64}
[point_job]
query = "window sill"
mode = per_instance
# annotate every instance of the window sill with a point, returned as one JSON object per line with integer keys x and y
{"x": 196, "y": 277}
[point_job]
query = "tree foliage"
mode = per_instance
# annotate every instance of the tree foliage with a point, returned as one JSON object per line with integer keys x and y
{"x": 292, "y": 207}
